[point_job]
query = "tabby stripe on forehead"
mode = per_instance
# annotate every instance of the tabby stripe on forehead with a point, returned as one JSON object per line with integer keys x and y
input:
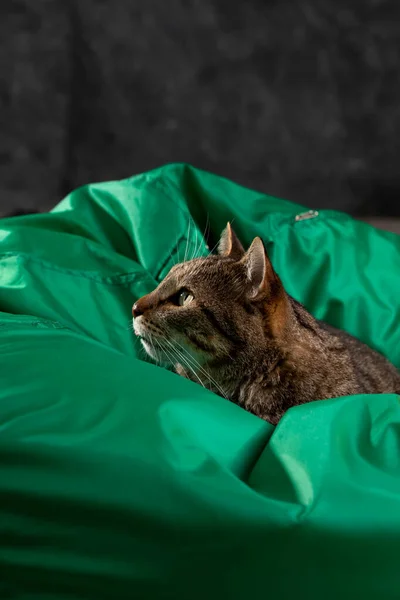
{"x": 231, "y": 336}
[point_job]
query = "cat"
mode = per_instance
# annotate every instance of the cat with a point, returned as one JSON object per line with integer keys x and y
{"x": 226, "y": 321}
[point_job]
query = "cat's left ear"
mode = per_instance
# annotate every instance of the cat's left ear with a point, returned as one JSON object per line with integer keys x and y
{"x": 229, "y": 244}
{"x": 260, "y": 273}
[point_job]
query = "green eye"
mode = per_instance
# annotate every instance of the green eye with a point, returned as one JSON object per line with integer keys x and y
{"x": 184, "y": 297}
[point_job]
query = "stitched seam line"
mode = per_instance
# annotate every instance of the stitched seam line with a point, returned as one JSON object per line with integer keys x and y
{"x": 46, "y": 324}
{"x": 108, "y": 280}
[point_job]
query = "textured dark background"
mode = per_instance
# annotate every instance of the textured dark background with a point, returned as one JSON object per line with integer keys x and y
{"x": 300, "y": 99}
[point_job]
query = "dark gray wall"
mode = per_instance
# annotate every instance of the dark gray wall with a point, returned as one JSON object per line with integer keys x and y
{"x": 300, "y": 99}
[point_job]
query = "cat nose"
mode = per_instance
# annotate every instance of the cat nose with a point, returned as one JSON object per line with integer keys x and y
{"x": 143, "y": 304}
{"x": 136, "y": 310}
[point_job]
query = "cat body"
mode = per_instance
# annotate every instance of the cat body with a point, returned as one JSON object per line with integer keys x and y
{"x": 226, "y": 322}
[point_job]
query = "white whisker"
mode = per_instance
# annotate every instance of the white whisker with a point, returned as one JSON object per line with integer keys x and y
{"x": 187, "y": 242}
{"x": 177, "y": 251}
{"x": 213, "y": 249}
{"x": 195, "y": 244}
{"x": 205, "y": 230}
{"x": 198, "y": 365}
{"x": 182, "y": 358}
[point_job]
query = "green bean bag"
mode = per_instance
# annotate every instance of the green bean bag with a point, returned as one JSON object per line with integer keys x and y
{"x": 119, "y": 479}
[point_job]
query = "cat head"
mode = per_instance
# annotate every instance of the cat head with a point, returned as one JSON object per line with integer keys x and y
{"x": 215, "y": 309}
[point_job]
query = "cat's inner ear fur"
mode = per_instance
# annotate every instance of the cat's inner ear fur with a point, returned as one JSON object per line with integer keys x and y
{"x": 229, "y": 244}
{"x": 260, "y": 273}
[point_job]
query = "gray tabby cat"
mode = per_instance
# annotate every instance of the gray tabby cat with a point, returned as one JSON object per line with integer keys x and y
{"x": 227, "y": 322}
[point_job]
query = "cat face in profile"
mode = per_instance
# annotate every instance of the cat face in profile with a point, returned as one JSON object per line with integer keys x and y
{"x": 226, "y": 322}
{"x": 207, "y": 311}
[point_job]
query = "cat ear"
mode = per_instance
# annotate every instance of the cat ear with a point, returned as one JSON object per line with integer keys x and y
{"x": 229, "y": 244}
{"x": 260, "y": 272}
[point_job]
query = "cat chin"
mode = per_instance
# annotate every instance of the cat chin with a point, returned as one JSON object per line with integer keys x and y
{"x": 151, "y": 351}
{"x": 155, "y": 354}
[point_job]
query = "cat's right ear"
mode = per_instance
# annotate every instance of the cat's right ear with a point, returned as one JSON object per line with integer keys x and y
{"x": 262, "y": 278}
{"x": 229, "y": 244}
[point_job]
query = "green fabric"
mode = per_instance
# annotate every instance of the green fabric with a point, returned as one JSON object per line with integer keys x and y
{"x": 119, "y": 479}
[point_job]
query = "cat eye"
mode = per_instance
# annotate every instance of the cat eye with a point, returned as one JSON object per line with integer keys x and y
{"x": 184, "y": 297}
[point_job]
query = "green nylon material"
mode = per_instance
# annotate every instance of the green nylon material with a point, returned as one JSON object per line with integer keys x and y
{"x": 119, "y": 479}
